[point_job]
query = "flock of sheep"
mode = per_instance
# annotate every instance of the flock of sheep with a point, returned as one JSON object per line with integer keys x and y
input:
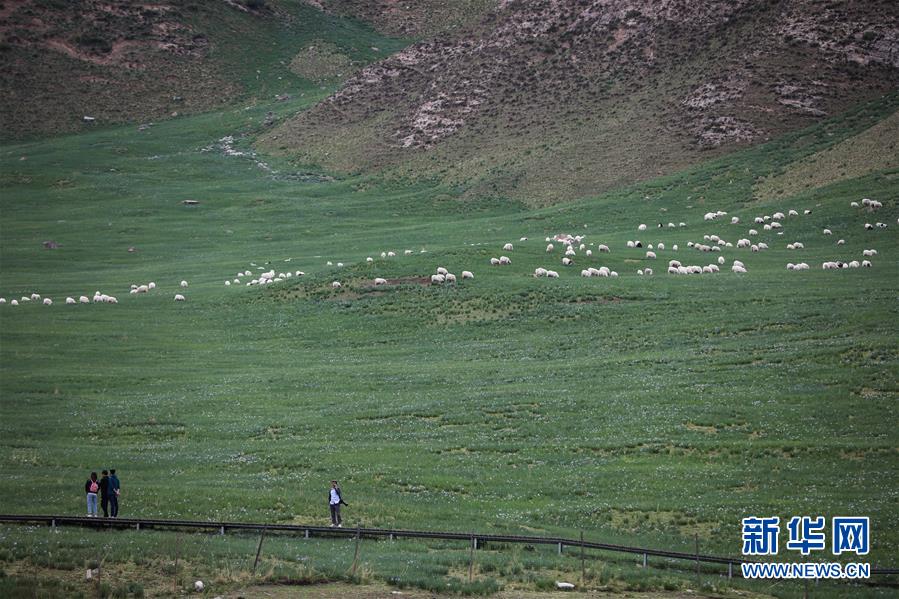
{"x": 712, "y": 243}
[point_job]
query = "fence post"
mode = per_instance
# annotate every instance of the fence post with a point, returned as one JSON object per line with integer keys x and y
{"x": 730, "y": 570}
{"x": 696, "y": 537}
{"x": 53, "y": 524}
{"x": 306, "y": 534}
{"x": 645, "y": 559}
{"x": 560, "y": 547}
{"x": 258, "y": 550}
{"x": 222, "y": 530}
{"x": 137, "y": 526}
{"x": 356, "y": 553}
{"x": 583, "y": 565}
{"x": 474, "y": 542}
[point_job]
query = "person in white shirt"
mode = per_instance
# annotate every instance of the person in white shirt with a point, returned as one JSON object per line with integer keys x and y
{"x": 335, "y": 500}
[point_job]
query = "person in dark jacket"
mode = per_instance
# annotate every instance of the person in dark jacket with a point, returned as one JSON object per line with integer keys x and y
{"x": 335, "y": 500}
{"x": 114, "y": 487}
{"x": 104, "y": 493}
{"x": 91, "y": 487}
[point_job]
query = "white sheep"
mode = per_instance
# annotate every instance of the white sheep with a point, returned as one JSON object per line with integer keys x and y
{"x": 383, "y": 255}
{"x": 336, "y": 285}
{"x": 549, "y": 248}
{"x": 642, "y": 227}
{"x": 507, "y": 247}
{"x": 369, "y": 259}
{"x": 450, "y": 278}
{"x": 466, "y": 274}
{"x": 735, "y": 220}
{"x": 380, "y": 281}
{"x": 640, "y": 271}
{"x": 83, "y": 300}
{"x": 588, "y": 253}
{"x": 552, "y": 274}
{"x": 494, "y": 261}
{"x": 566, "y": 261}
{"x": 111, "y": 299}
{"x": 184, "y": 284}
{"x": 865, "y": 264}
{"x": 647, "y": 271}
{"x": 179, "y": 297}
{"x": 827, "y": 232}
{"x": 764, "y": 246}
{"x": 540, "y": 272}
{"x": 853, "y": 204}
{"x": 523, "y": 239}
{"x": 586, "y": 273}
{"x": 227, "y": 283}
{"x": 391, "y": 254}
{"x": 504, "y": 260}
{"x": 778, "y": 216}
{"x": 2, "y": 300}
{"x": 660, "y": 246}
{"x": 720, "y": 259}
{"x": 407, "y": 252}
{"x": 437, "y": 279}
{"x": 841, "y": 242}
{"x": 299, "y": 273}
{"x": 674, "y": 263}
{"x": 854, "y": 264}
{"x": 329, "y": 263}
{"x": 753, "y": 232}
{"x": 651, "y": 255}
{"x": 48, "y": 301}
{"x": 681, "y": 224}
{"x": 35, "y": 296}
{"x": 630, "y": 244}
{"x": 869, "y": 252}
{"x": 674, "y": 248}
{"x": 869, "y": 227}
{"x": 441, "y": 270}
{"x": 738, "y": 269}
{"x": 14, "y": 303}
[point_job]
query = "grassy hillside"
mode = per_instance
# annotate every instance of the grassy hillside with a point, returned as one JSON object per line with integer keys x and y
{"x": 640, "y": 409}
{"x": 124, "y": 62}
{"x": 544, "y": 102}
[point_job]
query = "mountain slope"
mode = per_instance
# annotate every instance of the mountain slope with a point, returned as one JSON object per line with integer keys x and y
{"x": 119, "y": 61}
{"x": 547, "y": 100}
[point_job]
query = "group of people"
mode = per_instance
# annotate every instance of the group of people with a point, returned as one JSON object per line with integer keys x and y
{"x": 108, "y": 488}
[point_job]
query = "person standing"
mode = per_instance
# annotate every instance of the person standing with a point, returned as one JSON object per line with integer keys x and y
{"x": 91, "y": 487}
{"x": 114, "y": 488}
{"x": 335, "y": 500}
{"x": 104, "y": 493}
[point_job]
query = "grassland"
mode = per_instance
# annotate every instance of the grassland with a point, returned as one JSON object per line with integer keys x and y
{"x": 643, "y": 410}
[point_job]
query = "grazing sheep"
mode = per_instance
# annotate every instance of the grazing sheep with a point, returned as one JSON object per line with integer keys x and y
{"x": 709, "y": 216}
{"x": 507, "y": 247}
{"x": 523, "y": 239}
{"x": 494, "y": 261}
{"x": 299, "y": 273}
{"x": 854, "y": 264}
{"x": 649, "y": 247}
{"x": 671, "y": 225}
{"x": 35, "y": 296}
{"x": 638, "y": 244}
{"x": 466, "y": 274}
{"x": 391, "y": 254}
{"x": 869, "y": 227}
{"x": 588, "y": 253}
{"x": 869, "y": 252}
{"x": 179, "y": 297}
{"x": 450, "y": 278}
{"x": 407, "y": 252}
{"x": 587, "y": 273}
{"x": 570, "y": 251}
{"x": 380, "y": 281}
{"x": 827, "y": 232}
{"x": 853, "y": 204}
{"x": 738, "y": 263}
{"x": 865, "y": 264}
{"x": 184, "y": 284}
{"x": 743, "y": 243}
{"x": 881, "y": 225}
{"x": 690, "y": 244}
{"x": 640, "y": 271}
{"x": 630, "y": 244}
{"x": 336, "y": 285}
{"x": 383, "y": 255}
{"x": 738, "y": 269}
{"x": 549, "y": 248}
{"x": 651, "y": 255}
{"x": 236, "y": 281}
{"x": 48, "y": 301}
{"x": 13, "y": 303}
{"x": 613, "y": 274}
{"x": 735, "y": 220}
{"x": 152, "y": 285}
{"x": 778, "y": 216}
{"x": 83, "y": 300}
{"x": 566, "y": 261}
{"x": 674, "y": 263}
{"x": 2, "y": 300}
{"x": 369, "y": 259}
{"x": 540, "y": 272}
{"x": 764, "y": 246}
{"x": 806, "y": 212}
{"x": 437, "y": 279}
{"x": 720, "y": 259}
{"x": 660, "y": 247}
{"x": 552, "y": 274}
{"x": 441, "y": 270}
{"x": 841, "y": 242}
{"x": 767, "y": 227}
{"x": 227, "y": 283}
{"x": 329, "y": 263}
{"x": 111, "y": 299}
{"x": 642, "y": 227}
{"x": 754, "y": 248}
{"x": 674, "y": 248}
{"x": 753, "y": 232}
{"x": 647, "y": 271}
{"x": 603, "y": 248}
{"x": 504, "y": 260}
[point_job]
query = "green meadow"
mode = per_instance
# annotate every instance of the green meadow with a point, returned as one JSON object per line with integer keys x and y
{"x": 646, "y": 410}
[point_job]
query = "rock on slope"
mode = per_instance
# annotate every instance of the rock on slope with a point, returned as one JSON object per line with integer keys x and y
{"x": 544, "y": 100}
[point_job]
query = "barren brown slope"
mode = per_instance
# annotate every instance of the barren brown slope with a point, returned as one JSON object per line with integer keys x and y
{"x": 547, "y": 100}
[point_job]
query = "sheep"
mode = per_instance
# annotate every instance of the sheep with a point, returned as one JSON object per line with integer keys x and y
{"x": 179, "y": 297}
{"x": 671, "y": 225}
{"x": 504, "y": 260}
{"x": 651, "y": 255}
{"x": 767, "y": 227}
{"x": 552, "y": 274}
{"x": 329, "y": 263}
{"x": 35, "y": 296}
{"x": 790, "y": 266}
{"x": 642, "y": 227}
{"x": 570, "y": 251}
{"x": 735, "y": 220}
{"x": 13, "y": 303}
{"x": 709, "y": 216}
{"x": 391, "y": 254}
{"x": 603, "y": 248}
{"x": 764, "y": 246}
{"x": 743, "y": 243}
{"x": 638, "y": 244}
{"x": 674, "y": 263}
{"x": 227, "y": 283}
{"x": 588, "y": 253}
{"x": 869, "y": 252}
{"x": 523, "y": 239}
{"x": 640, "y": 271}
{"x": 806, "y": 212}
{"x": 681, "y": 224}
{"x": 738, "y": 269}
{"x": 336, "y": 285}
{"x": 467, "y": 274}
{"x": 407, "y": 252}
{"x": 540, "y": 272}
{"x": 714, "y": 268}
{"x": 660, "y": 247}
{"x": 339, "y": 265}
{"x": 841, "y": 242}
{"x": 758, "y": 220}
{"x": 248, "y": 273}
{"x": 649, "y": 247}
{"x": 854, "y": 264}
{"x": 369, "y": 259}
{"x": 672, "y": 270}
{"x": 48, "y": 301}
{"x": 869, "y": 227}
{"x": 674, "y": 248}
{"x": 853, "y": 204}
{"x": 587, "y": 273}
{"x": 827, "y": 232}
{"x": 754, "y": 248}
{"x": 566, "y": 262}
{"x": 881, "y": 225}
{"x": 690, "y": 244}
{"x": 778, "y": 216}
{"x": 753, "y": 232}
{"x": 380, "y": 281}
{"x": 450, "y": 278}
{"x": 507, "y": 247}
{"x": 236, "y": 281}
{"x": 865, "y": 264}
{"x": 299, "y": 273}
{"x": 2, "y": 300}
{"x": 829, "y": 265}
{"x": 792, "y": 213}
{"x": 111, "y": 299}
{"x": 494, "y": 262}
{"x": 647, "y": 271}
{"x": 738, "y": 263}
{"x": 630, "y": 244}
{"x": 707, "y": 269}
{"x": 549, "y": 248}
{"x": 441, "y": 270}
{"x": 613, "y": 274}
{"x": 83, "y": 300}
{"x": 383, "y": 255}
